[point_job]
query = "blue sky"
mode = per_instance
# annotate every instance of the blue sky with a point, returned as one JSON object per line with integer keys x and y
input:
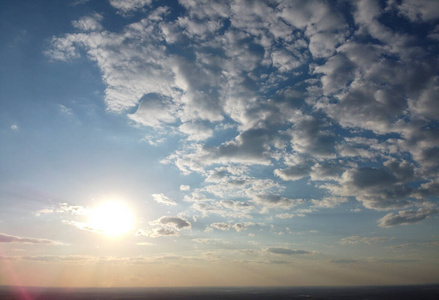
{"x": 248, "y": 142}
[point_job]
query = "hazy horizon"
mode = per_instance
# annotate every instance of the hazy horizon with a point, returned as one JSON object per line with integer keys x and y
{"x": 233, "y": 293}
{"x": 149, "y": 143}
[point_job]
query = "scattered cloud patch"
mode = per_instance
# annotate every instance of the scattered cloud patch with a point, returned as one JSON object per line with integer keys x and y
{"x": 287, "y": 251}
{"x": 6, "y": 238}
{"x": 355, "y": 240}
{"x": 161, "y": 198}
{"x": 227, "y": 226}
{"x": 407, "y": 217}
{"x": 174, "y": 222}
{"x": 264, "y": 96}
{"x": 128, "y": 6}
{"x": 158, "y": 232}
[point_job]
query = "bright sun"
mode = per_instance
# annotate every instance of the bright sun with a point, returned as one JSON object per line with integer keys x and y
{"x": 112, "y": 218}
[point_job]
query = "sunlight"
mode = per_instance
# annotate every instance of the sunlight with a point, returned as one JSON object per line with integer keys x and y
{"x": 112, "y": 218}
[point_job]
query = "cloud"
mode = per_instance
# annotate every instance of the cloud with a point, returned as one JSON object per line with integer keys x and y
{"x": 378, "y": 188}
{"x": 185, "y": 187}
{"x": 407, "y": 217}
{"x": 6, "y": 238}
{"x": 216, "y": 242}
{"x": 158, "y": 232}
{"x": 285, "y": 216}
{"x": 324, "y": 27}
{"x": 227, "y": 226}
{"x": 64, "y": 208}
{"x": 174, "y": 222}
{"x": 293, "y": 172}
{"x": 329, "y": 202}
{"x": 225, "y": 208}
{"x": 161, "y": 198}
{"x": 127, "y": 6}
{"x": 154, "y": 110}
{"x": 82, "y": 226}
{"x": 89, "y": 23}
{"x": 329, "y": 94}
{"x": 276, "y": 201}
{"x": 286, "y": 251}
{"x": 196, "y": 131}
{"x": 355, "y": 240}
{"x": 419, "y": 11}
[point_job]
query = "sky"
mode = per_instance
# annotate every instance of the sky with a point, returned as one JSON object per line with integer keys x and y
{"x": 219, "y": 143}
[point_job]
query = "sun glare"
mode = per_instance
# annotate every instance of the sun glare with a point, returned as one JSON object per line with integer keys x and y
{"x": 112, "y": 218}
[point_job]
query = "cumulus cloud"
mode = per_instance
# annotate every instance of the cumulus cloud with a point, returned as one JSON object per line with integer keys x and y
{"x": 89, "y": 23}
{"x": 225, "y": 208}
{"x": 419, "y": 11}
{"x": 276, "y": 201}
{"x": 327, "y": 93}
{"x": 378, "y": 188}
{"x": 285, "y": 216}
{"x": 329, "y": 202}
{"x": 153, "y": 110}
{"x": 407, "y": 217}
{"x": 196, "y": 131}
{"x": 174, "y": 222}
{"x": 126, "y": 6}
{"x": 185, "y": 187}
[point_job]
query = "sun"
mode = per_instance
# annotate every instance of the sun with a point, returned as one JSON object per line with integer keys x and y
{"x": 112, "y": 218}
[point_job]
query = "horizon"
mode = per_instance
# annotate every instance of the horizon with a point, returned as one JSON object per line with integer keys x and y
{"x": 238, "y": 293}
{"x": 435, "y": 284}
{"x": 177, "y": 143}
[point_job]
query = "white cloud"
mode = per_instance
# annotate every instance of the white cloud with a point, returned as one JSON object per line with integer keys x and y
{"x": 64, "y": 208}
{"x": 66, "y": 110}
{"x": 324, "y": 27}
{"x": 196, "y": 131}
{"x": 328, "y": 94}
{"x": 285, "y": 216}
{"x": 161, "y": 198}
{"x": 227, "y": 226}
{"x": 225, "y": 208}
{"x": 126, "y": 6}
{"x": 89, "y": 23}
{"x": 154, "y": 110}
{"x": 185, "y": 187}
